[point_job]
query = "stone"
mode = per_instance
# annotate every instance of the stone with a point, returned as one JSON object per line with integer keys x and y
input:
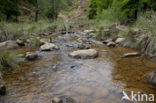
{"x": 82, "y": 46}
{"x": 56, "y": 100}
{"x": 10, "y": 44}
{"x": 82, "y": 90}
{"x": 43, "y": 41}
{"x": 20, "y": 55}
{"x": 84, "y": 54}
{"x": 152, "y": 77}
{"x": 31, "y": 56}
{"x": 107, "y": 41}
{"x": 134, "y": 31}
{"x": 101, "y": 92}
{"x": 2, "y": 90}
{"x": 48, "y": 47}
{"x": 89, "y": 31}
{"x": 120, "y": 40}
{"x": 131, "y": 54}
{"x": 67, "y": 99}
{"x": 111, "y": 44}
{"x": 20, "y": 42}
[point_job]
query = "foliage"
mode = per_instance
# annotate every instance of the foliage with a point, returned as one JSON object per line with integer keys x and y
{"x": 128, "y": 8}
{"x": 8, "y": 60}
{"x": 9, "y": 8}
{"x": 148, "y": 39}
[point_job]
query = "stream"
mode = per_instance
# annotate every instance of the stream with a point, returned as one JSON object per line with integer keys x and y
{"x": 99, "y": 80}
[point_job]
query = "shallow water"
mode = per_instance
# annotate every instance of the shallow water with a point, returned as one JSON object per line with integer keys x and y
{"x": 99, "y": 80}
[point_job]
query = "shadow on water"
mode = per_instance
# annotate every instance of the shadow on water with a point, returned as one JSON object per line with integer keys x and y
{"x": 99, "y": 80}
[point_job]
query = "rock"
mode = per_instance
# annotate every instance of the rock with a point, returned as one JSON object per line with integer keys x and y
{"x": 84, "y": 54}
{"x": 43, "y": 41}
{"x": 31, "y": 56}
{"x": 8, "y": 45}
{"x": 131, "y": 54}
{"x": 56, "y": 100}
{"x": 20, "y": 42}
{"x": 20, "y": 55}
{"x": 2, "y": 90}
{"x": 67, "y": 99}
{"x": 111, "y": 44}
{"x": 89, "y": 31}
{"x": 82, "y": 46}
{"x": 120, "y": 40}
{"x": 48, "y": 47}
{"x": 107, "y": 41}
{"x": 134, "y": 32}
{"x": 152, "y": 77}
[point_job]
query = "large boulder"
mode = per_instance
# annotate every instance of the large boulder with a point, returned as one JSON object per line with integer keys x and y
{"x": 48, "y": 47}
{"x": 152, "y": 77}
{"x": 84, "y": 54}
{"x": 31, "y": 56}
{"x": 10, "y": 44}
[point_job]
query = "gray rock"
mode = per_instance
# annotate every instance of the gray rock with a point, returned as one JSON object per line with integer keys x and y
{"x": 111, "y": 44}
{"x": 31, "y": 56}
{"x": 107, "y": 41}
{"x": 120, "y": 40}
{"x": 84, "y": 54}
{"x": 43, "y": 41}
{"x": 56, "y": 100}
{"x": 82, "y": 46}
{"x": 48, "y": 47}
{"x": 131, "y": 54}
{"x": 20, "y": 42}
{"x": 152, "y": 77}
{"x": 20, "y": 55}
{"x": 8, "y": 45}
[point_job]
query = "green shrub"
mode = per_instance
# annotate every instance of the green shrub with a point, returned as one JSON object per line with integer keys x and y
{"x": 8, "y": 60}
{"x": 147, "y": 23}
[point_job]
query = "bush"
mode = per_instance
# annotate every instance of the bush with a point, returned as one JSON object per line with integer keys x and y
{"x": 8, "y": 60}
{"x": 147, "y": 23}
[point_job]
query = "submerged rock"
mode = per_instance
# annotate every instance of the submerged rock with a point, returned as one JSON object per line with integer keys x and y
{"x": 63, "y": 99}
{"x": 131, "y": 54}
{"x": 31, "y": 56}
{"x": 152, "y": 77}
{"x": 48, "y": 47}
{"x": 56, "y": 100}
{"x": 84, "y": 54}
{"x": 2, "y": 90}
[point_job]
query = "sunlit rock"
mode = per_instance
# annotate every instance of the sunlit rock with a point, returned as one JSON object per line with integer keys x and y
{"x": 84, "y": 54}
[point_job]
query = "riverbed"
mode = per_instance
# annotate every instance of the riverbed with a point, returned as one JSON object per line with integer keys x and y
{"x": 99, "y": 80}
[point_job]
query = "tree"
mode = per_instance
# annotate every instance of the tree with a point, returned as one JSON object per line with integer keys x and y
{"x": 9, "y": 8}
{"x": 37, "y": 11}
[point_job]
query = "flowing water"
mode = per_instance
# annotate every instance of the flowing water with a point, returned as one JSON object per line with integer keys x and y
{"x": 99, "y": 80}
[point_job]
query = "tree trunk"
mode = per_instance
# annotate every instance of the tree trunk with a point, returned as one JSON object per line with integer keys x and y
{"x": 53, "y": 10}
{"x": 37, "y": 12}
